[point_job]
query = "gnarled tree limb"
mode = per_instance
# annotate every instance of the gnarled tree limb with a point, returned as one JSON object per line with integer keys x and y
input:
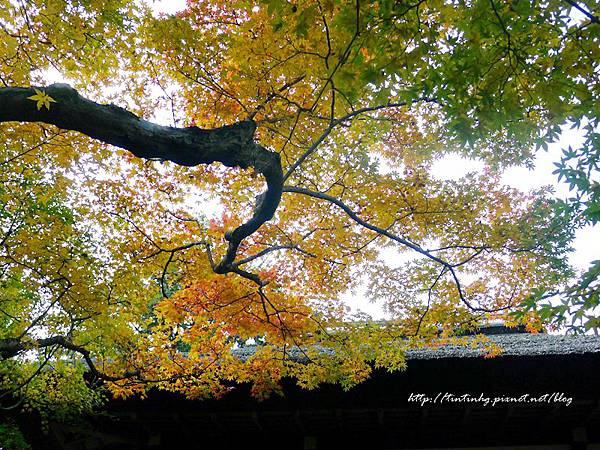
{"x": 231, "y": 145}
{"x": 9, "y": 348}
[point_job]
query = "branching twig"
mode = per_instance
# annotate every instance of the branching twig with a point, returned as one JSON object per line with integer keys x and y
{"x": 9, "y": 348}
{"x": 589, "y": 14}
{"x": 340, "y": 121}
{"x": 407, "y": 243}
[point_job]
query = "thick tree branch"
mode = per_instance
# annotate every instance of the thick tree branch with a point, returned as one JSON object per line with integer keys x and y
{"x": 9, "y": 348}
{"x": 231, "y": 145}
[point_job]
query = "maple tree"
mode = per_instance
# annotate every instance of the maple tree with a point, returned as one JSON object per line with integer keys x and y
{"x": 312, "y": 125}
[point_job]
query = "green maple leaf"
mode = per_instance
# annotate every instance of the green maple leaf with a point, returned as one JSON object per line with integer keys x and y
{"x": 42, "y": 99}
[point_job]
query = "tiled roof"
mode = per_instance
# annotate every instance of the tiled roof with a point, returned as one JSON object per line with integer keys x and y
{"x": 513, "y": 344}
{"x": 518, "y": 344}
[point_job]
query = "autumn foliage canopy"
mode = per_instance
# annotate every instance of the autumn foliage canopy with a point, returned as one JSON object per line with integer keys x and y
{"x": 218, "y": 178}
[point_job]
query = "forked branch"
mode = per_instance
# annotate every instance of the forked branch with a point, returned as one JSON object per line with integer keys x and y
{"x": 231, "y": 145}
{"x": 449, "y": 267}
{"x": 9, "y": 348}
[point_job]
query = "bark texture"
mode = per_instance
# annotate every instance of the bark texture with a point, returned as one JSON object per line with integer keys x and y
{"x": 231, "y": 145}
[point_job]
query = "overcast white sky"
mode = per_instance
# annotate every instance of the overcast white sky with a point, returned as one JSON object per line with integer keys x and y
{"x": 168, "y": 6}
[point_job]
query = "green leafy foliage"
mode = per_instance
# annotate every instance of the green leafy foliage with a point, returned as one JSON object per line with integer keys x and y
{"x": 11, "y": 437}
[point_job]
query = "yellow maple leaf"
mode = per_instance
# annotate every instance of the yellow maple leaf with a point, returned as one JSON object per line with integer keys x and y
{"x": 42, "y": 99}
